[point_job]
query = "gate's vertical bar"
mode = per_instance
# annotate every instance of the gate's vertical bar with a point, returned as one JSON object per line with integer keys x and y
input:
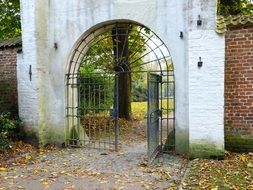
{"x": 116, "y": 110}
{"x": 99, "y": 116}
{"x": 148, "y": 116}
{"x": 88, "y": 110}
{"x": 107, "y": 119}
{"x": 160, "y": 96}
{"x": 73, "y": 108}
{"x": 78, "y": 114}
{"x": 94, "y": 112}
{"x": 116, "y": 91}
{"x": 67, "y": 133}
{"x": 174, "y": 109}
{"x": 168, "y": 103}
{"x": 83, "y": 109}
{"x": 103, "y": 116}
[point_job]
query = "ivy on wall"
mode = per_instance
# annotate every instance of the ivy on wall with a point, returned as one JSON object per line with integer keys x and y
{"x": 235, "y": 7}
{"x": 10, "y": 25}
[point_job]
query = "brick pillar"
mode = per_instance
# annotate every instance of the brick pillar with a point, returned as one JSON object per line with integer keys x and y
{"x": 239, "y": 89}
{"x": 8, "y": 80}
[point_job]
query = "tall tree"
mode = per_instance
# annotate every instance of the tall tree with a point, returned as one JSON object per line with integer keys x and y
{"x": 10, "y": 25}
{"x": 235, "y": 7}
{"x": 118, "y": 49}
{"x": 121, "y": 57}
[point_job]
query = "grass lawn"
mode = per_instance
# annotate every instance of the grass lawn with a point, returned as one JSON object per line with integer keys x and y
{"x": 139, "y": 109}
{"x": 234, "y": 172}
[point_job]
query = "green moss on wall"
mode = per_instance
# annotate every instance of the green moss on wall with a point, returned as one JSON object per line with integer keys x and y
{"x": 238, "y": 143}
{"x": 205, "y": 150}
{"x": 50, "y": 136}
{"x": 182, "y": 141}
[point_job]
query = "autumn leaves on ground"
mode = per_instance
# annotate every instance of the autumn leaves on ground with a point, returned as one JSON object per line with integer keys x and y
{"x": 50, "y": 168}
{"x": 234, "y": 172}
{"x": 26, "y": 167}
{"x": 24, "y": 162}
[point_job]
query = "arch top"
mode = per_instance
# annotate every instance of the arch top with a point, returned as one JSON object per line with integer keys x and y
{"x": 120, "y": 46}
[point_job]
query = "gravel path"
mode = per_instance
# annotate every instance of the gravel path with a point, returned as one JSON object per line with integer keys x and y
{"x": 94, "y": 169}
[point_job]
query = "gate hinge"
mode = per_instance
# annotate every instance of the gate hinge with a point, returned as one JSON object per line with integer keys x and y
{"x": 159, "y": 113}
{"x": 160, "y": 79}
{"x": 73, "y": 86}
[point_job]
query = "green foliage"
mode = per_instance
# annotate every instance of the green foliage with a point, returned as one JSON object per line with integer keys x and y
{"x": 96, "y": 89}
{"x": 10, "y": 25}
{"x": 139, "y": 90}
{"x": 101, "y": 59}
{"x": 9, "y": 129}
{"x": 235, "y": 7}
{"x": 101, "y": 51}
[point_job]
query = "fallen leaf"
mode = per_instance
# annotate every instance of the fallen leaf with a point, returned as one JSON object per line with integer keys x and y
{"x": 3, "y": 169}
{"x": 250, "y": 165}
{"x": 243, "y": 158}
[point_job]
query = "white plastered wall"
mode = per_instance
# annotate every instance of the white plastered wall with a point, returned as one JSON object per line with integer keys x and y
{"x": 51, "y": 28}
{"x": 206, "y": 84}
{"x": 27, "y": 74}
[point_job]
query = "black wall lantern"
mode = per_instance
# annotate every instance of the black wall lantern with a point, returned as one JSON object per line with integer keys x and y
{"x": 55, "y": 46}
{"x": 200, "y": 63}
{"x": 181, "y": 35}
{"x": 199, "y": 21}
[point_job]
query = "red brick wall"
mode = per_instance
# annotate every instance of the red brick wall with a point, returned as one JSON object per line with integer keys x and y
{"x": 239, "y": 89}
{"x": 8, "y": 80}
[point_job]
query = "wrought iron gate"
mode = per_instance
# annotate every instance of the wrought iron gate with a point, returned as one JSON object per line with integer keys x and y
{"x": 154, "y": 116}
{"x": 92, "y": 99}
{"x": 161, "y": 113}
{"x": 92, "y": 114}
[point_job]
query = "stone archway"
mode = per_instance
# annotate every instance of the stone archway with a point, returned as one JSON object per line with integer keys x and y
{"x": 120, "y": 52}
{"x": 51, "y": 29}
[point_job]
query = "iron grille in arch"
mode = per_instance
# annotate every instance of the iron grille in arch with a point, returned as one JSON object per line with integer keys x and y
{"x": 104, "y": 64}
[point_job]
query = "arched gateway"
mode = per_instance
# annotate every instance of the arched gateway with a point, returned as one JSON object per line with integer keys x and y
{"x": 105, "y": 66}
{"x": 54, "y": 75}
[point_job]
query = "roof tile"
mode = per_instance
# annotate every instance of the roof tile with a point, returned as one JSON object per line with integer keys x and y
{"x": 223, "y": 23}
{"x": 11, "y": 42}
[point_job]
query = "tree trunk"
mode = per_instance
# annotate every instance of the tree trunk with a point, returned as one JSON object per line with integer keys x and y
{"x": 121, "y": 61}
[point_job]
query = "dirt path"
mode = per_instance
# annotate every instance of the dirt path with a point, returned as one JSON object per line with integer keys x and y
{"x": 94, "y": 169}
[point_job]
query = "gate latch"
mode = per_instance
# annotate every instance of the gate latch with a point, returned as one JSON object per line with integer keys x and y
{"x": 113, "y": 113}
{"x": 159, "y": 113}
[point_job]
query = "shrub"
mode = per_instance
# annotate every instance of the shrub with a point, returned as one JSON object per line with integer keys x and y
{"x": 9, "y": 130}
{"x": 4, "y": 141}
{"x": 139, "y": 90}
{"x": 96, "y": 89}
